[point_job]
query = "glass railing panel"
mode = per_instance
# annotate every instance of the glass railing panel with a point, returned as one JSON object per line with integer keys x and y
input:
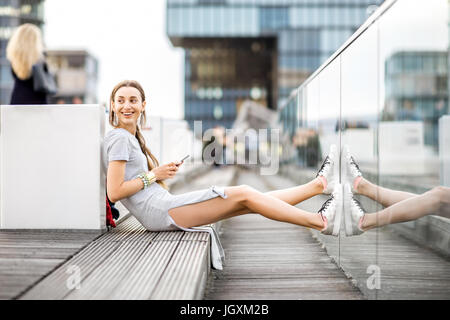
{"x": 327, "y": 138}
{"x": 359, "y": 107}
{"x": 413, "y": 75}
{"x": 312, "y": 154}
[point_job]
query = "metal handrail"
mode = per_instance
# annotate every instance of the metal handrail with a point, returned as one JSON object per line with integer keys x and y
{"x": 365, "y": 26}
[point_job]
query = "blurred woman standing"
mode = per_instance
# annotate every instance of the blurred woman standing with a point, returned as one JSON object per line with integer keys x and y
{"x": 32, "y": 82}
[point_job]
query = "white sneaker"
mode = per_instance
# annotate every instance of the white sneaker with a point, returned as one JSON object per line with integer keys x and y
{"x": 331, "y": 212}
{"x": 353, "y": 213}
{"x": 328, "y": 173}
{"x": 351, "y": 173}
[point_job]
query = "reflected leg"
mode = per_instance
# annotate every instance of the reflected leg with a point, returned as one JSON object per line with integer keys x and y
{"x": 386, "y": 197}
{"x": 435, "y": 201}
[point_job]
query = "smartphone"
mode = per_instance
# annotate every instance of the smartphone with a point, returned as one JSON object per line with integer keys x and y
{"x": 187, "y": 156}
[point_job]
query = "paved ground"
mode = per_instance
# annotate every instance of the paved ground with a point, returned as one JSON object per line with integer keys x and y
{"x": 268, "y": 259}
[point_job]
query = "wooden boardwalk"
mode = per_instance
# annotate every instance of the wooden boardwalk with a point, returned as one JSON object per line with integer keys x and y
{"x": 28, "y": 256}
{"x": 267, "y": 259}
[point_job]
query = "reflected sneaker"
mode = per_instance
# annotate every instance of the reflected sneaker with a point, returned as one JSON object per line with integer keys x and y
{"x": 352, "y": 174}
{"x": 331, "y": 212}
{"x": 328, "y": 173}
{"x": 353, "y": 213}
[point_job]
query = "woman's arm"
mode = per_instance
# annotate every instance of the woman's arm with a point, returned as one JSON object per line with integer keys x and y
{"x": 116, "y": 187}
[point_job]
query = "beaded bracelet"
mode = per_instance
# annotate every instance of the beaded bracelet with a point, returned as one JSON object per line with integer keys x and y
{"x": 144, "y": 179}
{"x": 151, "y": 176}
{"x": 147, "y": 178}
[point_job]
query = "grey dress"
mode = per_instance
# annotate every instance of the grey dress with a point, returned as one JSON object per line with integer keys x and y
{"x": 151, "y": 206}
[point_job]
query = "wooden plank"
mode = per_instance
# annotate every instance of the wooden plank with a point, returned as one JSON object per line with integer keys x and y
{"x": 100, "y": 283}
{"x": 55, "y": 286}
{"x": 170, "y": 236}
{"x": 36, "y": 253}
{"x": 40, "y": 244}
{"x": 127, "y": 230}
{"x": 144, "y": 275}
{"x": 129, "y": 236}
{"x": 185, "y": 274}
{"x": 283, "y": 294}
{"x": 196, "y": 236}
{"x": 46, "y": 236}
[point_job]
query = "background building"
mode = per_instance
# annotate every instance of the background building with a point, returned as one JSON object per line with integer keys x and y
{"x": 254, "y": 49}
{"x": 76, "y": 73}
{"x": 416, "y": 90}
{"x": 12, "y": 14}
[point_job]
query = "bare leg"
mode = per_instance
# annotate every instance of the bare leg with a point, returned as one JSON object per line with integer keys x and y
{"x": 435, "y": 201}
{"x": 298, "y": 194}
{"x": 244, "y": 199}
{"x": 386, "y": 197}
{"x": 293, "y": 195}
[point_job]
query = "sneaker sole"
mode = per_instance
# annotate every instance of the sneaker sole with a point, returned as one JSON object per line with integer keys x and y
{"x": 347, "y": 211}
{"x": 338, "y": 218}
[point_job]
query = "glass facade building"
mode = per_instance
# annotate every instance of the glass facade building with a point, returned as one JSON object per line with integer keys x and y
{"x": 384, "y": 96}
{"x": 261, "y": 50}
{"x": 13, "y": 13}
{"x": 416, "y": 90}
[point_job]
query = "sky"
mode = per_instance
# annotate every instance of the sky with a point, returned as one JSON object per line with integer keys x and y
{"x": 129, "y": 40}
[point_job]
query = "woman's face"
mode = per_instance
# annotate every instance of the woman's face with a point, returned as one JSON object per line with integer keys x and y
{"x": 128, "y": 105}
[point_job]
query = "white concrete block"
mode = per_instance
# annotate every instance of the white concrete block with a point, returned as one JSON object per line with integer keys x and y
{"x": 401, "y": 148}
{"x": 361, "y": 142}
{"x": 50, "y": 170}
{"x": 444, "y": 150}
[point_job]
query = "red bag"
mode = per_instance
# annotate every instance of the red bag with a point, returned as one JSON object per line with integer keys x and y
{"x": 111, "y": 213}
{"x": 109, "y": 218}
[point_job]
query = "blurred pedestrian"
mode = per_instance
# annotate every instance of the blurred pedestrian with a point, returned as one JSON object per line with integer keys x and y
{"x": 32, "y": 81}
{"x": 77, "y": 100}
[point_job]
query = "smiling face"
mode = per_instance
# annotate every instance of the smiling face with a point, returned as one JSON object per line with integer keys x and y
{"x": 128, "y": 106}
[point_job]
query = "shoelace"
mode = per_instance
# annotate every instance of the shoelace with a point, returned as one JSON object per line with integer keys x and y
{"x": 352, "y": 162}
{"x": 326, "y": 204}
{"x": 358, "y": 205}
{"x": 325, "y": 162}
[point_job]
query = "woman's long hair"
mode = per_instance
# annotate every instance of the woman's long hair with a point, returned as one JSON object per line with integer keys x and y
{"x": 24, "y": 49}
{"x": 151, "y": 159}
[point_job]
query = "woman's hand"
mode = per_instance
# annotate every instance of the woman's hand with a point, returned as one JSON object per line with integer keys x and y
{"x": 165, "y": 171}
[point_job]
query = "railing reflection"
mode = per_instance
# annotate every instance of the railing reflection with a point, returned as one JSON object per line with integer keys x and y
{"x": 384, "y": 95}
